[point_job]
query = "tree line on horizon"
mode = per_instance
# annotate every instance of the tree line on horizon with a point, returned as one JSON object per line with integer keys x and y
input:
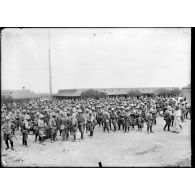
{"x": 132, "y": 93}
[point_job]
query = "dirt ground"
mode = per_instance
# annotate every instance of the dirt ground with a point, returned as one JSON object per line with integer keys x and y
{"x": 118, "y": 149}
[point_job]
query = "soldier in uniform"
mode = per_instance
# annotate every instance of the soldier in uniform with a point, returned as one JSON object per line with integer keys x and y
{"x": 41, "y": 125}
{"x": 60, "y": 124}
{"x": 94, "y": 115}
{"x": 183, "y": 111}
{"x": 53, "y": 126}
{"x": 7, "y": 132}
{"x": 149, "y": 121}
{"x": 36, "y": 129}
{"x": 127, "y": 120}
{"x": 113, "y": 117}
{"x": 99, "y": 117}
{"x": 154, "y": 115}
{"x": 131, "y": 119}
{"x": 63, "y": 126}
{"x": 121, "y": 118}
{"x": 74, "y": 125}
{"x": 25, "y": 130}
{"x": 86, "y": 115}
{"x": 140, "y": 122}
{"x": 80, "y": 122}
{"x": 106, "y": 118}
{"x": 89, "y": 123}
{"x": 17, "y": 121}
{"x": 168, "y": 119}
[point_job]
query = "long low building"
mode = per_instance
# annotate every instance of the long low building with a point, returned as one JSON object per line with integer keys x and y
{"x": 111, "y": 92}
{"x": 21, "y": 94}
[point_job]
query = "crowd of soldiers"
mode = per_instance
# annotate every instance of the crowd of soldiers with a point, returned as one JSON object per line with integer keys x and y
{"x": 53, "y": 119}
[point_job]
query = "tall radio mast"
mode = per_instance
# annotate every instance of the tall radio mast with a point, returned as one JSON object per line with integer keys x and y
{"x": 50, "y": 79}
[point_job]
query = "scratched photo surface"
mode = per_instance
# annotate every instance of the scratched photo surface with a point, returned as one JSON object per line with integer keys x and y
{"x": 96, "y": 97}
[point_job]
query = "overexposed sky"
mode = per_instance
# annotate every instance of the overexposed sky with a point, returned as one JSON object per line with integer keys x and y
{"x": 95, "y": 58}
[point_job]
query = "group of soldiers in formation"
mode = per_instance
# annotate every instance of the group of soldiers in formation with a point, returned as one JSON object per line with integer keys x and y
{"x": 50, "y": 118}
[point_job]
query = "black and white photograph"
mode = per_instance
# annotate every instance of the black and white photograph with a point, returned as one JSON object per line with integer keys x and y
{"x": 96, "y": 97}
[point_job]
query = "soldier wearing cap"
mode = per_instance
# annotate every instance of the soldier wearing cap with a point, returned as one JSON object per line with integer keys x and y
{"x": 63, "y": 125}
{"x": 7, "y": 129}
{"x": 80, "y": 122}
{"x": 121, "y": 118}
{"x": 60, "y": 121}
{"x": 106, "y": 118}
{"x": 53, "y": 126}
{"x": 140, "y": 122}
{"x": 41, "y": 125}
{"x": 85, "y": 115}
{"x": 168, "y": 118}
{"x": 94, "y": 114}
{"x": 89, "y": 123}
{"x": 154, "y": 115}
{"x": 99, "y": 116}
{"x": 113, "y": 117}
{"x": 149, "y": 121}
{"x": 17, "y": 120}
{"x": 68, "y": 125}
{"x": 127, "y": 119}
{"x": 133, "y": 119}
{"x": 35, "y": 127}
{"x": 25, "y": 130}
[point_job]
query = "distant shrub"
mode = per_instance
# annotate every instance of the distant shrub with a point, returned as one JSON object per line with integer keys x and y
{"x": 93, "y": 94}
{"x": 134, "y": 93}
{"x": 168, "y": 92}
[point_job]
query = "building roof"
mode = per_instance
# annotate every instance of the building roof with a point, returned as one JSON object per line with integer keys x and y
{"x": 19, "y": 94}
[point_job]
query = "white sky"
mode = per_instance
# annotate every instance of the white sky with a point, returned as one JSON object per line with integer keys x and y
{"x": 95, "y": 58}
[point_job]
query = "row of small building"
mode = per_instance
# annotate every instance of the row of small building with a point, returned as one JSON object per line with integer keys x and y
{"x": 20, "y": 95}
{"x": 119, "y": 92}
{"x": 76, "y": 93}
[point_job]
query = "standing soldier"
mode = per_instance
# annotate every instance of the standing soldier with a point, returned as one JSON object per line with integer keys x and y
{"x": 74, "y": 126}
{"x": 57, "y": 119}
{"x": 110, "y": 121}
{"x": 149, "y": 121}
{"x": 53, "y": 126}
{"x": 120, "y": 118}
{"x": 113, "y": 117}
{"x": 7, "y": 132}
{"x": 186, "y": 110}
{"x": 68, "y": 125}
{"x": 25, "y": 130}
{"x": 168, "y": 119}
{"x": 17, "y": 120}
{"x": 127, "y": 120}
{"x": 41, "y": 125}
{"x": 60, "y": 122}
{"x": 183, "y": 111}
{"x": 140, "y": 122}
{"x": 63, "y": 126}
{"x": 106, "y": 118}
{"x": 99, "y": 117}
{"x": 132, "y": 120}
{"x": 89, "y": 124}
{"x": 94, "y": 115}
{"x": 154, "y": 116}
{"x": 80, "y": 122}
{"x": 86, "y": 115}
{"x": 36, "y": 129}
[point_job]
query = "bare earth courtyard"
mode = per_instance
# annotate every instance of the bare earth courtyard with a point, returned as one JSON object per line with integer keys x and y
{"x": 133, "y": 149}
